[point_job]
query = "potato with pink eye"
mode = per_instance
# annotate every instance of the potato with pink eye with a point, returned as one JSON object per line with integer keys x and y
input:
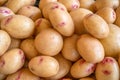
{"x": 108, "y": 14}
{"x": 18, "y": 26}
{"x": 2, "y": 2}
{"x": 49, "y": 42}
{"x": 81, "y": 69}
{"x": 49, "y": 7}
{"x": 42, "y": 24}
{"x": 12, "y": 61}
{"x": 77, "y": 17}
{"x": 61, "y": 21}
{"x": 30, "y": 11}
{"x": 4, "y": 12}
{"x": 96, "y": 26}
{"x": 90, "y": 48}
{"x": 108, "y": 69}
{"x": 15, "y": 5}
{"x": 2, "y": 76}
{"x": 44, "y": 66}
{"x": 22, "y": 74}
{"x": 29, "y": 49}
{"x": 71, "y": 4}
{"x": 87, "y": 78}
{"x": 5, "y": 41}
{"x": 69, "y": 50}
{"x": 64, "y": 67}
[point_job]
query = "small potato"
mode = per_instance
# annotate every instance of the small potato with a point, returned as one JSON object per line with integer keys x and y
{"x": 117, "y": 22}
{"x": 106, "y": 3}
{"x": 41, "y": 24}
{"x": 81, "y": 68}
{"x": 2, "y": 76}
{"x": 44, "y": 66}
{"x": 18, "y": 26}
{"x": 4, "y": 12}
{"x": 69, "y": 50}
{"x": 12, "y": 61}
{"x": 62, "y": 21}
{"x": 52, "y": 5}
{"x": 90, "y": 48}
{"x": 108, "y": 14}
{"x": 49, "y": 42}
{"x": 5, "y": 41}
{"x": 2, "y": 2}
{"x": 64, "y": 67}
{"x": 28, "y": 47}
{"x": 71, "y": 4}
{"x": 96, "y": 26}
{"x": 23, "y": 74}
{"x": 43, "y": 3}
{"x": 30, "y": 11}
{"x": 111, "y": 43}
{"x": 87, "y": 78}
{"x": 78, "y": 16}
{"x": 15, "y": 5}
{"x": 108, "y": 69}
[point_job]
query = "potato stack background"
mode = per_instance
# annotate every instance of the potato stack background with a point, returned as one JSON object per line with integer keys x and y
{"x": 59, "y": 40}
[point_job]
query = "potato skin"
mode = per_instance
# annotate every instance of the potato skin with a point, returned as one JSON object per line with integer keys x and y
{"x": 90, "y": 48}
{"x": 5, "y": 41}
{"x": 2, "y": 2}
{"x": 49, "y": 42}
{"x": 107, "y": 69}
{"x": 12, "y": 61}
{"x": 2, "y": 76}
{"x": 87, "y": 78}
{"x": 44, "y": 66}
{"x": 18, "y": 26}
{"x": 117, "y": 21}
{"x": 96, "y": 26}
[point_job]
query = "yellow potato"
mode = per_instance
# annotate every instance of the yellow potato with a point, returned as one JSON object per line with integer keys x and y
{"x": 78, "y": 16}
{"x": 44, "y": 66}
{"x": 117, "y": 22}
{"x": 108, "y": 69}
{"x": 62, "y": 22}
{"x": 96, "y": 26}
{"x": 90, "y": 48}
{"x": 69, "y": 50}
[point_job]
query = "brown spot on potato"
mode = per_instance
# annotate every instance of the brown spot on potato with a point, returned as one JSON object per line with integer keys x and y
{"x": 2, "y": 62}
{"x": 8, "y": 20}
{"x": 38, "y": 22}
{"x": 56, "y": 6}
{"x": 82, "y": 61}
{"x": 61, "y": 24}
{"x": 40, "y": 60}
{"x": 92, "y": 68}
{"x": 106, "y": 72}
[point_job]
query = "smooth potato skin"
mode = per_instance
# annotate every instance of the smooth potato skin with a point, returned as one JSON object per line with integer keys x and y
{"x": 90, "y": 48}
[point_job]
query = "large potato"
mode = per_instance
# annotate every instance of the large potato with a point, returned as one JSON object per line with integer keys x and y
{"x": 96, "y": 26}
{"x": 5, "y": 41}
{"x": 44, "y": 66}
{"x": 108, "y": 69}
{"x": 62, "y": 22}
{"x": 12, "y": 61}
{"x": 90, "y": 48}
{"x": 18, "y": 26}
{"x": 78, "y": 16}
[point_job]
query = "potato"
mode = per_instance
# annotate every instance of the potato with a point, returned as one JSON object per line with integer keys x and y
{"x": 5, "y": 41}
{"x": 44, "y": 66}
{"x": 23, "y": 74}
{"x": 49, "y": 42}
{"x": 66, "y": 79}
{"x": 4, "y": 12}
{"x": 96, "y": 26}
{"x": 29, "y": 49}
{"x": 30, "y": 11}
{"x": 87, "y": 4}
{"x": 15, "y": 5}
{"x": 12, "y": 61}
{"x": 117, "y": 22}
{"x": 87, "y": 78}
{"x": 2, "y": 76}
{"x": 106, "y": 3}
{"x": 81, "y": 68}
{"x": 69, "y": 50}
{"x": 62, "y": 22}
{"x": 18, "y": 26}
{"x": 90, "y": 48}
{"x": 41, "y": 24}
{"x": 43, "y": 3}
{"x": 2, "y": 2}
{"x": 64, "y": 67}
{"x": 52, "y": 5}
{"x": 108, "y": 14}
{"x": 107, "y": 69}
{"x": 78, "y": 16}
{"x": 111, "y": 43}
{"x": 71, "y": 4}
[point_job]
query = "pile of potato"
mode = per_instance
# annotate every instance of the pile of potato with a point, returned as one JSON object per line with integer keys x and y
{"x": 60, "y": 40}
